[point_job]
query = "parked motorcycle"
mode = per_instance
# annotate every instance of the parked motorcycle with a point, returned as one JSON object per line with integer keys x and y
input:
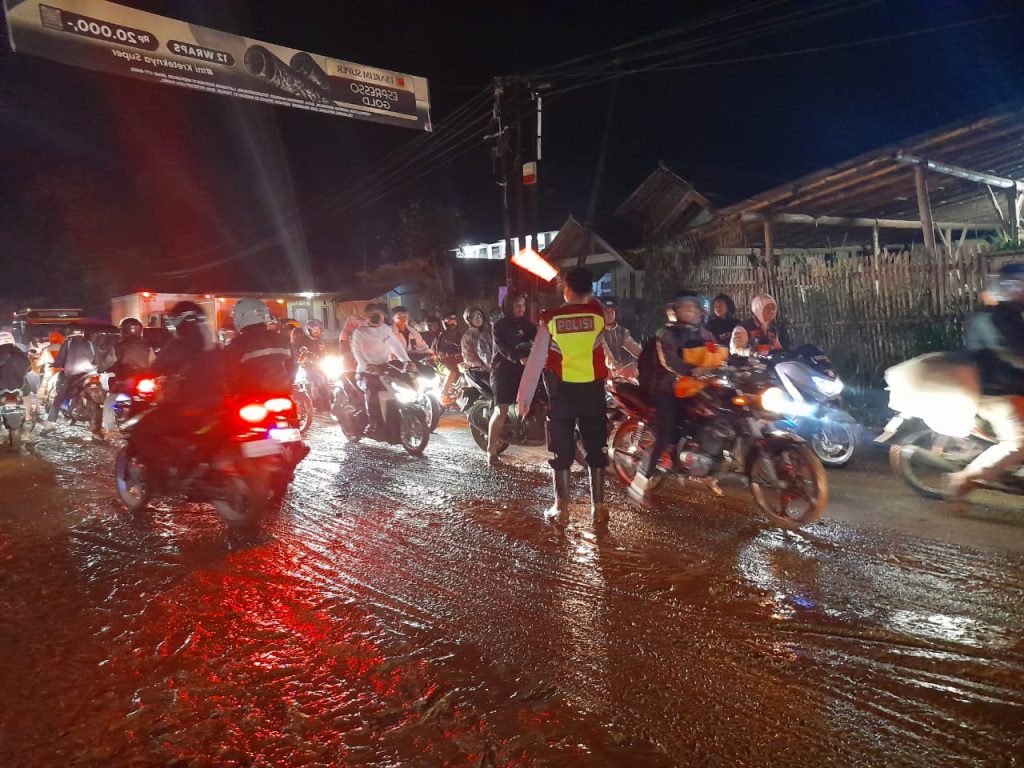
{"x": 811, "y": 391}
{"x": 723, "y": 428}
{"x": 12, "y": 417}
{"x": 244, "y": 473}
{"x": 405, "y": 422}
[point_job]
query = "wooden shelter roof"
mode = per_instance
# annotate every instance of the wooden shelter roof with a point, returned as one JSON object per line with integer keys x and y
{"x": 880, "y": 185}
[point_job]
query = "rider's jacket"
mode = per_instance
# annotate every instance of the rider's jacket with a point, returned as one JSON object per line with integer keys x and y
{"x": 414, "y": 342}
{"x": 676, "y": 351}
{"x": 132, "y": 355}
{"x": 376, "y": 345}
{"x": 995, "y": 338}
{"x": 448, "y": 343}
{"x": 260, "y": 361}
{"x": 474, "y": 353}
{"x": 14, "y": 364}
{"x": 77, "y": 355}
{"x": 619, "y": 345}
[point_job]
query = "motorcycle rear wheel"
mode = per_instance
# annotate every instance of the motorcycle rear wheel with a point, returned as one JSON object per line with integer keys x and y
{"x": 789, "y": 484}
{"x": 413, "y": 430}
{"x": 909, "y": 460}
{"x": 479, "y": 418}
{"x": 130, "y": 476}
{"x": 246, "y": 501}
{"x": 14, "y": 439}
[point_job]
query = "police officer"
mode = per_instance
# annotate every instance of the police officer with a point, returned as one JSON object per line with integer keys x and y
{"x": 569, "y": 351}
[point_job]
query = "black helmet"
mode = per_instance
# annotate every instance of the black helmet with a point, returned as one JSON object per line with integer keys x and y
{"x": 130, "y": 326}
{"x": 685, "y": 296}
{"x": 468, "y": 313}
{"x": 184, "y": 312}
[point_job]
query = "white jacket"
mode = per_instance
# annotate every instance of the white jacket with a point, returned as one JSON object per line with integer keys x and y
{"x": 376, "y": 346}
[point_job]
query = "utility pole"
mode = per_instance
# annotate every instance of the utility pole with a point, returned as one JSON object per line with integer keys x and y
{"x": 499, "y": 154}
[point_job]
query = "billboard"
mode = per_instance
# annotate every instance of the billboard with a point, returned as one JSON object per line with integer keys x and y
{"x": 113, "y": 38}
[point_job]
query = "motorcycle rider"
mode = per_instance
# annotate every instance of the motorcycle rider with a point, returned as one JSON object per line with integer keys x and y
{"x": 14, "y": 363}
{"x": 513, "y": 334}
{"x": 192, "y": 395}
{"x": 995, "y": 339}
{"x": 310, "y": 338}
{"x": 76, "y": 358}
{"x": 569, "y": 348}
{"x": 620, "y": 348}
{"x": 723, "y": 320}
{"x": 668, "y": 368}
{"x": 132, "y": 355}
{"x": 373, "y": 346}
{"x": 258, "y": 360}
{"x": 345, "y": 341}
{"x": 448, "y": 348}
{"x": 433, "y": 325}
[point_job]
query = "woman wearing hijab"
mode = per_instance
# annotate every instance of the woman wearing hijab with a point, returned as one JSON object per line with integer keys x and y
{"x": 764, "y": 332}
{"x": 722, "y": 319}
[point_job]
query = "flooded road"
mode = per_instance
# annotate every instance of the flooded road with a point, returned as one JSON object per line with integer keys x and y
{"x": 404, "y": 611}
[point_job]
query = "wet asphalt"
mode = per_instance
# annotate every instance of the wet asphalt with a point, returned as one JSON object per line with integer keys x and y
{"x": 404, "y": 611}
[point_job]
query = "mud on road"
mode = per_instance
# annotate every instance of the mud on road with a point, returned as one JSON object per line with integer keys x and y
{"x": 404, "y": 611}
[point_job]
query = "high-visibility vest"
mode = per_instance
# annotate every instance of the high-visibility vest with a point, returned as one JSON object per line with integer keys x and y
{"x": 575, "y": 354}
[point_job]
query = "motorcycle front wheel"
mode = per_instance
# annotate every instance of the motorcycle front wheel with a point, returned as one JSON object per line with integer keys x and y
{"x": 834, "y": 442}
{"x": 303, "y": 409}
{"x": 789, "y": 484}
{"x": 433, "y": 410}
{"x": 926, "y": 459}
{"x": 413, "y": 431}
{"x": 628, "y": 444}
{"x": 350, "y": 426}
{"x": 130, "y": 475}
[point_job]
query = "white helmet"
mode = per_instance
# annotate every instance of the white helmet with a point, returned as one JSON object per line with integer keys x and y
{"x": 248, "y": 312}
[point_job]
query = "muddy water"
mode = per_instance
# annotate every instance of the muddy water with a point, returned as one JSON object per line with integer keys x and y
{"x": 418, "y": 612}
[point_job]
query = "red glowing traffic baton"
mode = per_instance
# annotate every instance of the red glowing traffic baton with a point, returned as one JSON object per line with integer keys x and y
{"x": 535, "y": 264}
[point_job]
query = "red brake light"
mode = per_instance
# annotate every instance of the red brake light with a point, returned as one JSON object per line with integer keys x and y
{"x": 146, "y": 386}
{"x": 253, "y": 413}
{"x": 278, "y": 404}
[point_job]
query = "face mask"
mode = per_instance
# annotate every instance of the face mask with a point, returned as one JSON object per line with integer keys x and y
{"x": 375, "y": 318}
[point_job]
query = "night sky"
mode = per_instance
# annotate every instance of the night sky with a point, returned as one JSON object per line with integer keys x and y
{"x": 145, "y": 178}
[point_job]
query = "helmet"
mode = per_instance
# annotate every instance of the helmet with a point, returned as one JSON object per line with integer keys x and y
{"x": 130, "y": 326}
{"x": 314, "y": 325}
{"x": 184, "y": 312}
{"x": 6, "y": 338}
{"x": 290, "y": 323}
{"x": 451, "y": 317}
{"x": 1010, "y": 285}
{"x": 467, "y": 315}
{"x": 248, "y": 312}
{"x": 610, "y": 302}
{"x": 75, "y": 330}
{"x": 684, "y": 297}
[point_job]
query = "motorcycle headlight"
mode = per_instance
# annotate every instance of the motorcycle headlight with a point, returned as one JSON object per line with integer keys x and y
{"x": 426, "y": 382}
{"x": 828, "y": 387}
{"x": 775, "y": 400}
{"x": 405, "y": 394}
{"x": 332, "y": 367}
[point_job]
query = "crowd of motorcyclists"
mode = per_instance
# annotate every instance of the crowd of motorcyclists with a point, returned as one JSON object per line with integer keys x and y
{"x": 573, "y": 350}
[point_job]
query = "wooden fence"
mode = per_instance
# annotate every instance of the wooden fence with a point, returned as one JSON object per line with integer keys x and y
{"x": 866, "y": 311}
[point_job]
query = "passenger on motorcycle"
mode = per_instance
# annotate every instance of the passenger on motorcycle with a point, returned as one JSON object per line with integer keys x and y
{"x": 433, "y": 330}
{"x": 669, "y": 366}
{"x": 374, "y": 345}
{"x": 474, "y": 356}
{"x": 513, "y": 337}
{"x": 345, "y": 341}
{"x": 258, "y": 360}
{"x": 76, "y": 358}
{"x": 621, "y": 350}
{"x": 414, "y": 343}
{"x": 722, "y": 321}
{"x": 192, "y": 396}
{"x": 132, "y": 356}
{"x": 765, "y": 333}
{"x": 448, "y": 348}
{"x": 995, "y": 339}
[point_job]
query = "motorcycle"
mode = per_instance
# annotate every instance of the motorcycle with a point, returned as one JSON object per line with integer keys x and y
{"x": 133, "y": 395}
{"x": 428, "y": 385}
{"x": 924, "y": 457}
{"x": 255, "y": 447}
{"x": 302, "y": 399}
{"x": 405, "y": 422}
{"x": 724, "y": 428}
{"x": 812, "y": 390}
{"x": 84, "y": 399}
{"x": 516, "y": 430}
{"x": 12, "y": 417}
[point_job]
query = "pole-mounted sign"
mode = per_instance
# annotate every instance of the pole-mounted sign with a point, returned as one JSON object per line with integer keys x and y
{"x": 113, "y": 38}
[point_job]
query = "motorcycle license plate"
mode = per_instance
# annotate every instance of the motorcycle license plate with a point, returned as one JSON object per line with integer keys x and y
{"x": 257, "y": 448}
{"x": 286, "y": 435}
